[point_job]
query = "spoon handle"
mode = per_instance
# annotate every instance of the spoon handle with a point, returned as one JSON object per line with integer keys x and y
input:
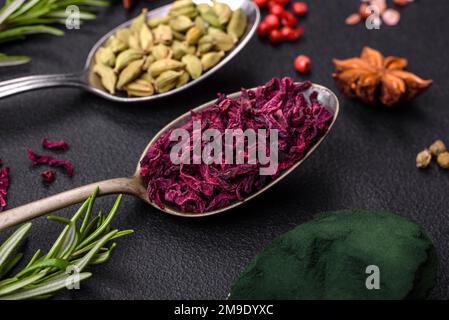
{"x": 11, "y": 87}
{"x": 38, "y": 208}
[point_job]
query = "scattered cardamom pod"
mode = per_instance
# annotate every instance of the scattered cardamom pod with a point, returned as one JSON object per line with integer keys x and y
{"x": 107, "y": 76}
{"x": 163, "y": 34}
{"x": 167, "y": 81}
{"x": 210, "y": 59}
{"x": 126, "y": 57}
{"x": 130, "y": 73}
{"x": 193, "y": 65}
{"x": 139, "y": 88}
{"x": 180, "y": 23}
{"x": 105, "y": 56}
{"x": 193, "y": 35}
{"x": 160, "y": 66}
{"x": 237, "y": 25}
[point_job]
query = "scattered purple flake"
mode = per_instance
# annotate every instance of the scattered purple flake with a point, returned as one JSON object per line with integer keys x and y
{"x": 4, "y": 185}
{"x": 50, "y": 144}
{"x": 37, "y": 159}
{"x": 48, "y": 176}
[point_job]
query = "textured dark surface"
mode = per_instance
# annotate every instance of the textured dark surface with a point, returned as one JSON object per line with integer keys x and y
{"x": 367, "y": 161}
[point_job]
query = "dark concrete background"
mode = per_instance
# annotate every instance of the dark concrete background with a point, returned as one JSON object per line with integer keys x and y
{"x": 367, "y": 161}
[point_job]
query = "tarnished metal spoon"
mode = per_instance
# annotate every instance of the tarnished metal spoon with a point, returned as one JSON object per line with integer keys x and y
{"x": 135, "y": 185}
{"x": 87, "y": 80}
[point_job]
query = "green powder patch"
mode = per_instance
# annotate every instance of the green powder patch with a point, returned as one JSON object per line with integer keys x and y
{"x": 327, "y": 259}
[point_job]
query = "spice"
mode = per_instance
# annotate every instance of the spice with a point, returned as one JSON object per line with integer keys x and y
{"x": 303, "y": 63}
{"x": 443, "y": 160}
{"x": 437, "y": 147}
{"x": 49, "y": 144}
{"x": 37, "y": 159}
{"x": 201, "y": 187}
{"x": 204, "y": 31}
{"x": 4, "y": 185}
{"x": 48, "y": 176}
{"x": 423, "y": 159}
{"x": 343, "y": 255}
{"x": 374, "y": 78}
{"x": 281, "y": 24}
{"x": 379, "y": 11}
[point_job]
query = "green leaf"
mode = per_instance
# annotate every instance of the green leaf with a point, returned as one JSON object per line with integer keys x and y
{"x": 19, "y": 284}
{"x": 89, "y": 210}
{"x": 85, "y": 260}
{"x": 10, "y": 264}
{"x": 9, "y": 9}
{"x": 60, "y": 264}
{"x": 11, "y": 243}
{"x": 49, "y": 286}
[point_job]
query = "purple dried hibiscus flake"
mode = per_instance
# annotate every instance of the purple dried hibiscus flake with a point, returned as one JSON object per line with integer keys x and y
{"x": 4, "y": 185}
{"x": 37, "y": 159}
{"x": 51, "y": 144}
{"x": 48, "y": 176}
{"x": 281, "y": 104}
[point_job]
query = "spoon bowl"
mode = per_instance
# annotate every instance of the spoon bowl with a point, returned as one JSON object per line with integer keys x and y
{"x": 89, "y": 81}
{"x": 135, "y": 185}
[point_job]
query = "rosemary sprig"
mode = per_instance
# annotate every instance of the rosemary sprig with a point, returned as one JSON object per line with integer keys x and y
{"x": 75, "y": 248}
{"x": 20, "y": 18}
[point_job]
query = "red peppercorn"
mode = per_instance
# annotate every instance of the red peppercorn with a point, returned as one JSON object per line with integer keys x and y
{"x": 48, "y": 176}
{"x": 260, "y": 3}
{"x": 275, "y": 36}
{"x": 292, "y": 33}
{"x": 300, "y": 8}
{"x": 277, "y": 10}
{"x": 282, "y": 2}
{"x": 272, "y": 21}
{"x": 262, "y": 29}
{"x": 289, "y": 20}
{"x": 302, "y": 63}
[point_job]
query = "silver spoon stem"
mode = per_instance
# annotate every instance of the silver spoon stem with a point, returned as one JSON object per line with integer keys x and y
{"x": 11, "y": 87}
{"x": 35, "y": 209}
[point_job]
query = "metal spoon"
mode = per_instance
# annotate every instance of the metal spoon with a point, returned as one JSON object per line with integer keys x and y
{"x": 135, "y": 185}
{"x": 89, "y": 81}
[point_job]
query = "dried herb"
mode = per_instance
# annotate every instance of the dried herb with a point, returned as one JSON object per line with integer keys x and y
{"x": 280, "y": 104}
{"x": 374, "y": 78}
{"x": 49, "y": 144}
{"x": 4, "y": 185}
{"x": 37, "y": 159}
{"x": 78, "y": 246}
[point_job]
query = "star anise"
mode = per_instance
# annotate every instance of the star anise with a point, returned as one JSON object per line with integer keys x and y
{"x": 374, "y": 78}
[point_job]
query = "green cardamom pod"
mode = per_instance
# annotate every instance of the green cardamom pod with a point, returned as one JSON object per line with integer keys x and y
{"x": 193, "y": 35}
{"x": 223, "y": 12}
{"x": 180, "y": 23}
{"x": 193, "y": 65}
{"x": 147, "y": 77}
{"x": 107, "y": 76}
{"x": 154, "y": 22}
{"x": 210, "y": 17}
{"x": 160, "y": 66}
{"x": 130, "y": 73}
{"x": 223, "y": 41}
{"x": 178, "y": 35}
{"x": 210, "y": 59}
{"x": 237, "y": 25}
{"x": 205, "y": 44}
{"x": 123, "y": 34}
{"x": 126, "y": 57}
{"x": 139, "y": 21}
{"x": 163, "y": 34}
{"x": 139, "y": 88}
{"x": 146, "y": 38}
{"x": 116, "y": 44}
{"x": 179, "y": 49}
{"x": 181, "y": 4}
{"x": 188, "y": 11}
{"x": 134, "y": 42}
{"x": 191, "y": 49}
{"x": 167, "y": 81}
{"x": 148, "y": 61}
{"x": 105, "y": 56}
{"x": 199, "y": 22}
{"x": 183, "y": 79}
{"x": 161, "y": 51}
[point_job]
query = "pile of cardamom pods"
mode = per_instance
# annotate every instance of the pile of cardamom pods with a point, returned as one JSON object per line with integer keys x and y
{"x": 162, "y": 53}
